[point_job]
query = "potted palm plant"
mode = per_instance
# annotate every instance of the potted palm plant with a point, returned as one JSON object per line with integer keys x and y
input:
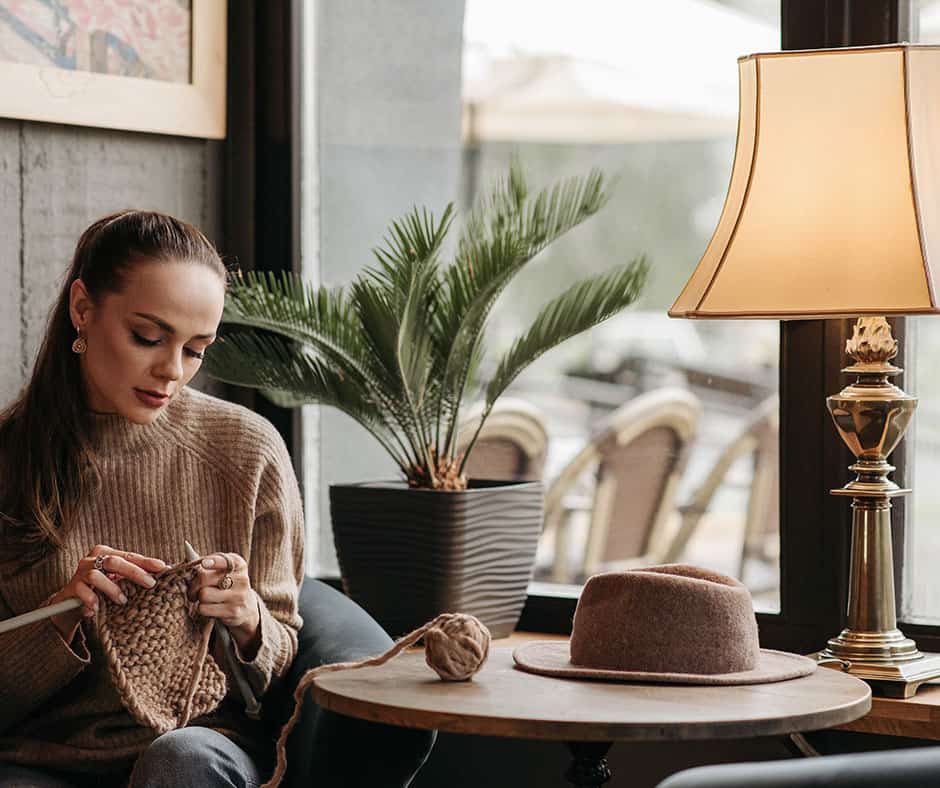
{"x": 398, "y": 351}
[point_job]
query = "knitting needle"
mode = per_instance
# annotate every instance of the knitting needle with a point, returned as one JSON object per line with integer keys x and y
{"x": 252, "y": 707}
{"x": 9, "y": 624}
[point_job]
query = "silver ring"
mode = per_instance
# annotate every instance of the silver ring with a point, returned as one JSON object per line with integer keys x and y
{"x": 229, "y": 566}
{"x": 226, "y": 582}
{"x": 99, "y": 562}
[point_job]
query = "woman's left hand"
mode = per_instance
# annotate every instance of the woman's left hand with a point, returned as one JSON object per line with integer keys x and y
{"x": 223, "y": 590}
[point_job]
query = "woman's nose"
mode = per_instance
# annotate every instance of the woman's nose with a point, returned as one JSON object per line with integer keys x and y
{"x": 170, "y": 367}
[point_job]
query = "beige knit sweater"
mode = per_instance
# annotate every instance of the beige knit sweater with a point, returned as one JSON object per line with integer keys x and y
{"x": 207, "y": 471}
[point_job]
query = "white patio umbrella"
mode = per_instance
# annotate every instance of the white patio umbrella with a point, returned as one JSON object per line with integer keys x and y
{"x": 604, "y": 70}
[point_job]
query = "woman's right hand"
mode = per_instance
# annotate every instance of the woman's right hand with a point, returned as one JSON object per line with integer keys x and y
{"x": 88, "y": 581}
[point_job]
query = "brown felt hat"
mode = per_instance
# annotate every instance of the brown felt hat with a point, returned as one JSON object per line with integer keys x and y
{"x": 674, "y": 623}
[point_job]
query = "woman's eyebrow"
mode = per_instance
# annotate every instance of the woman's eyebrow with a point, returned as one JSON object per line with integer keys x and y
{"x": 167, "y": 327}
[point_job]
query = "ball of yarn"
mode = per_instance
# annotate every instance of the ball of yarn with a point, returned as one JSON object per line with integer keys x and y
{"x": 457, "y": 646}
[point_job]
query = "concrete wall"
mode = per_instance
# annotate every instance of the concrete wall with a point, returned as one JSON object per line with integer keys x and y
{"x": 54, "y": 181}
{"x": 387, "y": 130}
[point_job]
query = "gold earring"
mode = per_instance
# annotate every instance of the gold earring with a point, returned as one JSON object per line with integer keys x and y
{"x": 79, "y": 345}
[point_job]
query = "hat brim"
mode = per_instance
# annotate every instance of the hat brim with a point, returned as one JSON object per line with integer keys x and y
{"x": 553, "y": 658}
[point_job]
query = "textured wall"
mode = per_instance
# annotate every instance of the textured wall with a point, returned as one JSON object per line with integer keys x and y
{"x": 54, "y": 181}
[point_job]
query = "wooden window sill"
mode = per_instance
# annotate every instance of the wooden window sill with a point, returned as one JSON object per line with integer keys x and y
{"x": 916, "y": 718}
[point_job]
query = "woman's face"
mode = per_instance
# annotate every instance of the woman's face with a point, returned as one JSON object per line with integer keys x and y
{"x": 146, "y": 342}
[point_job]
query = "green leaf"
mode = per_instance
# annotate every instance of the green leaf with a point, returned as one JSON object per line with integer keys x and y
{"x": 320, "y": 318}
{"x": 504, "y": 233}
{"x": 289, "y": 377}
{"x": 583, "y": 305}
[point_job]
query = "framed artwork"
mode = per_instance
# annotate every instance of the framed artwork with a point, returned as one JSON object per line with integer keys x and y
{"x": 139, "y": 65}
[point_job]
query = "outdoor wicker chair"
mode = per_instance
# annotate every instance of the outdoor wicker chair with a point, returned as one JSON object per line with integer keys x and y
{"x": 512, "y": 444}
{"x": 638, "y": 457}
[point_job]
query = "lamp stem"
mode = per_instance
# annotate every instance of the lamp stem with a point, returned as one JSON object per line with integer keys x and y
{"x": 871, "y": 633}
{"x": 871, "y": 604}
{"x": 872, "y": 415}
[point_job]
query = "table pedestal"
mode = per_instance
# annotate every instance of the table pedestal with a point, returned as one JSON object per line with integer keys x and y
{"x": 589, "y": 767}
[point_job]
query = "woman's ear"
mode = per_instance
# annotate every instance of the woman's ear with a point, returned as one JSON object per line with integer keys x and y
{"x": 80, "y": 305}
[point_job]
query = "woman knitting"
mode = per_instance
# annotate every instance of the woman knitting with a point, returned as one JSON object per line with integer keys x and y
{"x": 109, "y": 464}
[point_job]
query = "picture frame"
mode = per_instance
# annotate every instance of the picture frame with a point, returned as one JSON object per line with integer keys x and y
{"x": 85, "y": 98}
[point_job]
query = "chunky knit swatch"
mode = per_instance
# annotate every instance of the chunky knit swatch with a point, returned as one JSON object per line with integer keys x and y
{"x": 157, "y": 650}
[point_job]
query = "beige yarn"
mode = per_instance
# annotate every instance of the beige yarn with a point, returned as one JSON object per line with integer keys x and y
{"x": 157, "y": 651}
{"x": 456, "y": 646}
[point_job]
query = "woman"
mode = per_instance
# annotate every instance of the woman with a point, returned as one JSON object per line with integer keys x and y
{"x": 109, "y": 462}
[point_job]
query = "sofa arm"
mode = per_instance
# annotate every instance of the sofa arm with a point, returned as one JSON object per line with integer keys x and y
{"x": 326, "y": 748}
{"x": 913, "y": 767}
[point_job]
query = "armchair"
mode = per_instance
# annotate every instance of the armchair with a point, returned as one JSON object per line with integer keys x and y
{"x": 914, "y": 767}
{"x": 326, "y": 748}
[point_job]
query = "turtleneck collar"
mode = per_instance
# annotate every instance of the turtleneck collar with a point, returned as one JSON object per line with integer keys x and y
{"x": 115, "y": 434}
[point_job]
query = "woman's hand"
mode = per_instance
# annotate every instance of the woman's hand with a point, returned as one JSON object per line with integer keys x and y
{"x": 223, "y": 590}
{"x": 96, "y": 573}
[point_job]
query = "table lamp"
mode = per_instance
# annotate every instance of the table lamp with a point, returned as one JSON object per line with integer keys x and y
{"x": 833, "y": 211}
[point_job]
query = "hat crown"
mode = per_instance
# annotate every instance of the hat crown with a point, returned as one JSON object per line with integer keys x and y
{"x": 666, "y": 619}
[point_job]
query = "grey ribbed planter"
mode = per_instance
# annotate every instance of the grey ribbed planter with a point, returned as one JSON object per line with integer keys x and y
{"x": 407, "y": 555}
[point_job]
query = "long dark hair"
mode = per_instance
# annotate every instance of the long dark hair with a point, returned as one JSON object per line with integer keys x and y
{"x": 48, "y": 465}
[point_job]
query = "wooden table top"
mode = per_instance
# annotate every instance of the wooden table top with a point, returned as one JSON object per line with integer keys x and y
{"x": 502, "y": 700}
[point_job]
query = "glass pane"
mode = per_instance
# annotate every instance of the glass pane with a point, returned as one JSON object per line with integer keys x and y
{"x": 920, "y": 598}
{"x": 563, "y": 97}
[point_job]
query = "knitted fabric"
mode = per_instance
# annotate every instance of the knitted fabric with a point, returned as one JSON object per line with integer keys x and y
{"x": 456, "y": 646}
{"x": 157, "y": 650}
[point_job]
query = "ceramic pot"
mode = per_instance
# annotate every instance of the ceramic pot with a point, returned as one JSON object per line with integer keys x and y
{"x": 407, "y": 555}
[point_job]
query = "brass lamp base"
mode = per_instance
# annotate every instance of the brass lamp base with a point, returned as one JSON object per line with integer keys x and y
{"x": 872, "y": 415}
{"x": 890, "y": 680}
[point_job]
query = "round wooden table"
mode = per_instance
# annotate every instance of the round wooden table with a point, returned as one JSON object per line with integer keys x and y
{"x": 503, "y": 700}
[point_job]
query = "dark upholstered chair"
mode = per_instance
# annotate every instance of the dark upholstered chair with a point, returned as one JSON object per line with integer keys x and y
{"x": 916, "y": 767}
{"x": 326, "y": 748}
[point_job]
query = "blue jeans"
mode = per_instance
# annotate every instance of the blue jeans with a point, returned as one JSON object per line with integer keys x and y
{"x": 192, "y": 758}
{"x": 185, "y": 758}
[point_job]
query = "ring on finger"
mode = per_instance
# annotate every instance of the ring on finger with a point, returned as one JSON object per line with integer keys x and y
{"x": 99, "y": 562}
{"x": 229, "y": 566}
{"x": 226, "y": 582}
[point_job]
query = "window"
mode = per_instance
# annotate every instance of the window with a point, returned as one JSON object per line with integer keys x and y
{"x": 563, "y": 97}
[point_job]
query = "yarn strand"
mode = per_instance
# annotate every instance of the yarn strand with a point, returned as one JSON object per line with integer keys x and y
{"x": 456, "y": 654}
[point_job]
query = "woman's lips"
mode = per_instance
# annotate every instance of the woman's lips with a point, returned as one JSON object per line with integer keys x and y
{"x": 151, "y": 399}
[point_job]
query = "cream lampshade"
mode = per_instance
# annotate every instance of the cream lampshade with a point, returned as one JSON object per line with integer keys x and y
{"x": 834, "y": 204}
{"x": 833, "y": 210}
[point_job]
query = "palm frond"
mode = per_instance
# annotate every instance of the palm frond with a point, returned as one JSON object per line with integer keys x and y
{"x": 289, "y": 377}
{"x": 325, "y": 321}
{"x": 412, "y": 244}
{"x": 580, "y": 307}
{"x": 282, "y": 303}
{"x": 503, "y": 234}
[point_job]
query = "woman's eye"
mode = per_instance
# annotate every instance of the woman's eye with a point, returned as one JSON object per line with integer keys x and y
{"x": 195, "y": 354}
{"x": 143, "y": 340}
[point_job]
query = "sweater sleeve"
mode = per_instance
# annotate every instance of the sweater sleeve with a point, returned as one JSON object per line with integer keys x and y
{"x": 275, "y": 568}
{"x": 35, "y": 663}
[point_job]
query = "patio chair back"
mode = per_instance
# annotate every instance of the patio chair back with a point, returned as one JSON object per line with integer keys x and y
{"x": 639, "y": 455}
{"x": 512, "y": 444}
{"x": 759, "y": 439}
